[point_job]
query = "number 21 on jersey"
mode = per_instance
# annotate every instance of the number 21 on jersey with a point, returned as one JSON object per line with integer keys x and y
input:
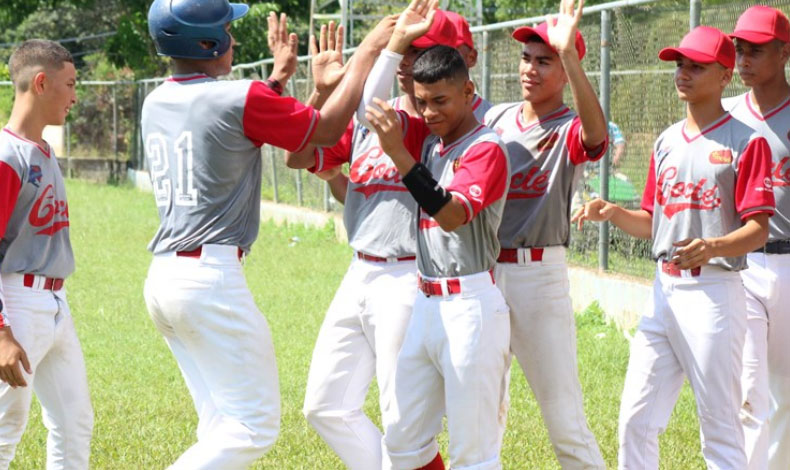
{"x": 163, "y": 173}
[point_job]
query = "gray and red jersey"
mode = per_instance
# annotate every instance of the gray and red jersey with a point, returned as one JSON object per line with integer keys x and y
{"x": 379, "y": 212}
{"x": 774, "y": 125}
{"x": 474, "y": 169}
{"x": 546, "y": 160}
{"x": 706, "y": 185}
{"x": 34, "y": 213}
{"x": 202, "y": 141}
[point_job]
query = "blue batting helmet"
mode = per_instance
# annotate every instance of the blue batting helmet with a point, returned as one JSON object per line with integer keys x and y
{"x": 179, "y": 26}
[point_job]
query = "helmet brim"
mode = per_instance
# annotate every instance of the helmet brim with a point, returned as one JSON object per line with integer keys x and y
{"x": 239, "y": 10}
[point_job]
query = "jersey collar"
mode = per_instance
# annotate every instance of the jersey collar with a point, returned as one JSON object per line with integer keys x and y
{"x": 46, "y": 151}
{"x": 523, "y": 126}
{"x": 443, "y": 150}
{"x": 764, "y": 117}
{"x": 187, "y": 77}
{"x": 715, "y": 124}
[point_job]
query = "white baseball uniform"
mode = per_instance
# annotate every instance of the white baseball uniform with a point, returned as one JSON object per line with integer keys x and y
{"x": 698, "y": 186}
{"x": 365, "y": 324}
{"x": 35, "y": 258}
{"x": 202, "y": 139}
{"x": 546, "y": 161}
{"x": 766, "y": 359}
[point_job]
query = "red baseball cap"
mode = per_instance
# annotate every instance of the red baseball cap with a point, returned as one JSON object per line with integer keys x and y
{"x": 760, "y": 24}
{"x": 462, "y": 31}
{"x": 442, "y": 33}
{"x": 523, "y": 33}
{"x": 705, "y": 45}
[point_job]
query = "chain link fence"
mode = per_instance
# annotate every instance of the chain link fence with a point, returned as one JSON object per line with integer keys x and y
{"x": 641, "y": 101}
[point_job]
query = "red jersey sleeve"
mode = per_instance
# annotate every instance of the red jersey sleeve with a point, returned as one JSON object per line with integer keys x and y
{"x": 480, "y": 178}
{"x": 649, "y": 195}
{"x": 10, "y": 184}
{"x": 577, "y": 152}
{"x": 753, "y": 187}
{"x": 327, "y": 158}
{"x": 276, "y": 120}
{"x": 415, "y": 131}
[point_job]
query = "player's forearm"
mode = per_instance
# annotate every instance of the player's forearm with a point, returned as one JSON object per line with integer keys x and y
{"x": 638, "y": 223}
{"x": 338, "y": 186}
{"x": 452, "y": 215}
{"x": 341, "y": 105}
{"x": 585, "y": 101}
{"x": 379, "y": 83}
{"x": 752, "y": 235}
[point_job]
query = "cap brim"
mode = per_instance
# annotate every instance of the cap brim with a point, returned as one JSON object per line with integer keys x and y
{"x": 673, "y": 53}
{"x": 753, "y": 36}
{"x": 239, "y": 10}
{"x": 523, "y": 33}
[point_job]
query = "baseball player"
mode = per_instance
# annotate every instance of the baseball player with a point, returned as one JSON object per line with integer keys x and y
{"x": 706, "y": 204}
{"x": 761, "y": 39}
{"x": 39, "y": 349}
{"x": 365, "y": 324}
{"x": 455, "y": 353}
{"x": 548, "y": 145}
{"x": 202, "y": 139}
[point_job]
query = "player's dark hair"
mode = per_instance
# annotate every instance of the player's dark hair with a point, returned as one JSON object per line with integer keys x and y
{"x": 33, "y": 56}
{"x": 437, "y": 63}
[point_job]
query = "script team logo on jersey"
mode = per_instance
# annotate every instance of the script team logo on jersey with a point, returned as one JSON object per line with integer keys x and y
{"x": 679, "y": 196}
{"x": 45, "y": 210}
{"x": 374, "y": 174}
{"x": 547, "y": 143}
{"x": 720, "y": 157}
{"x": 781, "y": 172}
{"x": 529, "y": 184}
{"x": 35, "y": 175}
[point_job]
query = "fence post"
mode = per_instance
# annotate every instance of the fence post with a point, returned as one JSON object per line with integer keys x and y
{"x": 603, "y": 229}
{"x": 326, "y": 196}
{"x": 486, "y": 85}
{"x": 274, "y": 173}
{"x": 69, "y": 172}
{"x": 695, "y": 8}
{"x": 298, "y": 174}
{"x": 115, "y": 130}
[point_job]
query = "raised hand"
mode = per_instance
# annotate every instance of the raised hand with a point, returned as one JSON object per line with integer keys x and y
{"x": 562, "y": 28}
{"x": 283, "y": 47}
{"x": 414, "y": 22}
{"x": 327, "y": 57}
{"x": 385, "y": 122}
{"x": 380, "y": 35}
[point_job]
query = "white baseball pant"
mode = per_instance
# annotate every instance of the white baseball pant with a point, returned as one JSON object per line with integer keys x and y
{"x": 42, "y": 324}
{"x": 453, "y": 361}
{"x": 765, "y": 412}
{"x": 224, "y": 349}
{"x": 693, "y": 328}
{"x": 543, "y": 338}
{"x": 360, "y": 336}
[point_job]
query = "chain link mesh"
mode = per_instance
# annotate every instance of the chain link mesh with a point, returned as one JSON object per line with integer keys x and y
{"x": 643, "y": 103}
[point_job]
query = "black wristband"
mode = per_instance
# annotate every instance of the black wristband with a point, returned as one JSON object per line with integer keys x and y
{"x": 274, "y": 85}
{"x": 425, "y": 190}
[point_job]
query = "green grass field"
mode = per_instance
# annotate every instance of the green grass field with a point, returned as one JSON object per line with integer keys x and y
{"x": 144, "y": 416}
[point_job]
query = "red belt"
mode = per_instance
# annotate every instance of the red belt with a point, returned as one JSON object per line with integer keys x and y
{"x": 379, "y": 259}
{"x": 50, "y": 283}
{"x": 672, "y": 270}
{"x": 199, "y": 250}
{"x": 510, "y": 255}
{"x": 435, "y": 287}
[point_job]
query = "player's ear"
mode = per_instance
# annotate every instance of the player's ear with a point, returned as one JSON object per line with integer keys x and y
{"x": 38, "y": 83}
{"x": 785, "y": 52}
{"x": 726, "y": 77}
{"x": 471, "y": 58}
{"x": 469, "y": 90}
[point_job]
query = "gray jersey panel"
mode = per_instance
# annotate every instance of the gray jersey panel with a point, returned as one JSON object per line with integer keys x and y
{"x": 206, "y": 173}
{"x": 473, "y": 247}
{"x": 36, "y": 240}
{"x": 695, "y": 180}
{"x": 543, "y": 177}
{"x": 774, "y": 125}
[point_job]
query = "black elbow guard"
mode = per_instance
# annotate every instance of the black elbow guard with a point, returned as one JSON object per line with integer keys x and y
{"x": 425, "y": 190}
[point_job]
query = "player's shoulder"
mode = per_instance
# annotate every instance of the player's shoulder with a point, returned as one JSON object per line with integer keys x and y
{"x": 497, "y": 111}
{"x": 733, "y": 104}
{"x": 15, "y": 152}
